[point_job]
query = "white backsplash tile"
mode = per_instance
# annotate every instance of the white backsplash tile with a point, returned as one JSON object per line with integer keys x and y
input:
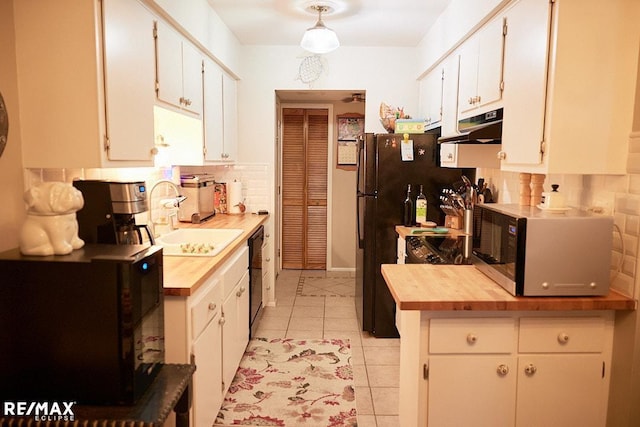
{"x": 256, "y": 178}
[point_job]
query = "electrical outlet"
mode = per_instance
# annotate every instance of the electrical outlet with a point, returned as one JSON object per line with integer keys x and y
{"x": 602, "y": 204}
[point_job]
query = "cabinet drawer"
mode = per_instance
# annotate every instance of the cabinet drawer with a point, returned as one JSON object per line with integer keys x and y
{"x": 206, "y": 307}
{"x": 561, "y": 335}
{"x": 494, "y": 335}
{"x": 233, "y": 270}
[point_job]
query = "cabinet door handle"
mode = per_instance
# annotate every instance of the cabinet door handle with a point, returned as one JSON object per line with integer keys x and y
{"x": 471, "y": 101}
{"x": 502, "y": 155}
{"x": 471, "y": 339}
{"x": 563, "y": 338}
{"x": 212, "y": 306}
{"x": 221, "y": 321}
{"x": 267, "y": 259}
{"x": 530, "y": 369}
{"x": 240, "y": 291}
{"x": 502, "y": 370}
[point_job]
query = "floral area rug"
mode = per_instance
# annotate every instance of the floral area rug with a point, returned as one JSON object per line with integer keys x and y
{"x": 292, "y": 382}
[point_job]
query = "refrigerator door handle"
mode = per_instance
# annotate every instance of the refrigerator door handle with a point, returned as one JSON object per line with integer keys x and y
{"x": 359, "y": 164}
{"x": 359, "y": 199}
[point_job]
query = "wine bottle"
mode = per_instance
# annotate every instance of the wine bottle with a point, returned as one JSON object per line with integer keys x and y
{"x": 421, "y": 208}
{"x": 408, "y": 208}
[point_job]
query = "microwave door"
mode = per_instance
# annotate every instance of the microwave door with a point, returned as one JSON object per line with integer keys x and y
{"x": 488, "y": 249}
{"x": 496, "y": 244}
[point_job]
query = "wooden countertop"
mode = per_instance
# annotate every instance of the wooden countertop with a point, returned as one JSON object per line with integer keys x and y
{"x": 463, "y": 287}
{"x": 183, "y": 275}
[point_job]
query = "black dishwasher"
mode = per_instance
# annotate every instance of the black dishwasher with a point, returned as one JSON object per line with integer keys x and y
{"x": 255, "y": 278}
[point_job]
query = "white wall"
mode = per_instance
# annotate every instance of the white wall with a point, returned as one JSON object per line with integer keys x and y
{"x": 385, "y": 74}
{"x": 12, "y": 209}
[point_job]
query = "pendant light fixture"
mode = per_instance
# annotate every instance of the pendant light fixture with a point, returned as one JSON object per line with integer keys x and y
{"x": 319, "y": 39}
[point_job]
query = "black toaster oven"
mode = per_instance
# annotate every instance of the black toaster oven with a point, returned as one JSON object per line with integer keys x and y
{"x": 85, "y": 327}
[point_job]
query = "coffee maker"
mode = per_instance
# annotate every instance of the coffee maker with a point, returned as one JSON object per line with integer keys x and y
{"x": 108, "y": 215}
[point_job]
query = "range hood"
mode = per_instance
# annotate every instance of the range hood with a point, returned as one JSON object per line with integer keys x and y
{"x": 482, "y": 129}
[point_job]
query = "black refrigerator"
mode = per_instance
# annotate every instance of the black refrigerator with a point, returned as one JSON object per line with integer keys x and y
{"x": 385, "y": 169}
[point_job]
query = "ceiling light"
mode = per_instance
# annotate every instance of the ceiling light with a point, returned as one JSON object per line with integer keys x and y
{"x": 319, "y": 39}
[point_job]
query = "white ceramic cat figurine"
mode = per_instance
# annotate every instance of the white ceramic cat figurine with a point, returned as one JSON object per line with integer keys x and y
{"x": 51, "y": 227}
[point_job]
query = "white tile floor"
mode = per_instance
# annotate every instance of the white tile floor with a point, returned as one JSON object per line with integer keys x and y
{"x": 318, "y": 304}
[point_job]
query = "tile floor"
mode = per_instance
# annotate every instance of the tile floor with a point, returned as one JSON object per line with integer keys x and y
{"x": 319, "y": 304}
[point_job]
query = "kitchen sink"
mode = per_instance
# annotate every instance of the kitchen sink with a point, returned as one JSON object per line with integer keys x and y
{"x": 197, "y": 242}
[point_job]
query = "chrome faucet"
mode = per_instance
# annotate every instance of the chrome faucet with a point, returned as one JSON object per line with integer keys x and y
{"x": 168, "y": 205}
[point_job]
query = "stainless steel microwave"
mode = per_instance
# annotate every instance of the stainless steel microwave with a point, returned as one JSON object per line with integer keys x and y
{"x": 532, "y": 252}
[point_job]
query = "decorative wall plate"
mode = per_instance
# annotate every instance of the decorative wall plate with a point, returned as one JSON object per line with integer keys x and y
{"x": 4, "y": 125}
{"x": 310, "y": 69}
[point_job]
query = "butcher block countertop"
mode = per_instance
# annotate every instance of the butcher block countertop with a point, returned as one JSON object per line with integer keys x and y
{"x": 183, "y": 275}
{"x": 463, "y": 287}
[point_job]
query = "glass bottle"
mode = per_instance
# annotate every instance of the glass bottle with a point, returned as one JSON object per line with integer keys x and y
{"x": 408, "y": 209}
{"x": 421, "y": 208}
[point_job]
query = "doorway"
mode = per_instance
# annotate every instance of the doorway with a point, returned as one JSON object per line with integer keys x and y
{"x": 305, "y": 137}
{"x": 340, "y": 204}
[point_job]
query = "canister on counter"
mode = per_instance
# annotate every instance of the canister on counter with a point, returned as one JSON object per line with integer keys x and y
{"x": 220, "y": 197}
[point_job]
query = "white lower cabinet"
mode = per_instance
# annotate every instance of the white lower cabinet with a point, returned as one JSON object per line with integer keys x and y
{"x": 205, "y": 354}
{"x": 235, "y": 330}
{"x": 520, "y": 369}
{"x": 268, "y": 290}
{"x": 472, "y": 390}
{"x": 563, "y": 367}
{"x": 561, "y": 390}
{"x": 210, "y": 329}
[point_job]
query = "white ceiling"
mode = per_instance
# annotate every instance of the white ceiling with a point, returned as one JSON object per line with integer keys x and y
{"x": 357, "y": 22}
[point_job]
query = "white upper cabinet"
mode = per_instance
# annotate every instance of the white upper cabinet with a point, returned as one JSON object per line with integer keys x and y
{"x": 449, "y": 124}
{"x": 84, "y": 86}
{"x": 431, "y": 91}
{"x": 179, "y": 70}
{"x": 230, "y": 110}
{"x": 480, "y": 83}
{"x": 570, "y": 82}
{"x": 213, "y": 116}
{"x": 220, "y": 115}
{"x": 129, "y": 87}
{"x": 525, "y": 67}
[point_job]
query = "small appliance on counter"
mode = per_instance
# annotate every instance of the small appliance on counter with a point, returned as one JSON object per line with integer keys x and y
{"x": 108, "y": 215}
{"x": 532, "y": 252}
{"x": 86, "y": 327}
{"x": 200, "y": 193}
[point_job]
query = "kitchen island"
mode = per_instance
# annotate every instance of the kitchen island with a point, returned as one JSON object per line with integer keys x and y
{"x": 472, "y": 354}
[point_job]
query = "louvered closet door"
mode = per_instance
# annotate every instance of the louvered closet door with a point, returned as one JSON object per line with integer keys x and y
{"x": 304, "y": 188}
